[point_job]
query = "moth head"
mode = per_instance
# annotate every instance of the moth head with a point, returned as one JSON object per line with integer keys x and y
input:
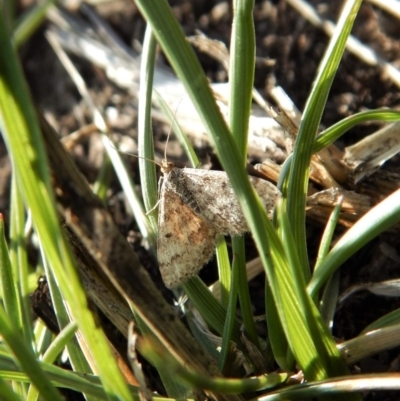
{"x": 166, "y": 166}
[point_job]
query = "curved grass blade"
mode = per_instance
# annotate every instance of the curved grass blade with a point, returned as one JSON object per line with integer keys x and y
{"x": 145, "y": 133}
{"x": 377, "y": 220}
{"x": 19, "y": 259}
{"x": 339, "y": 386}
{"x": 335, "y": 131}
{"x": 9, "y": 291}
{"x": 27, "y": 359}
{"x": 22, "y": 135}
{"x": 299, "y": 173}
{"x": 184, "y": 62}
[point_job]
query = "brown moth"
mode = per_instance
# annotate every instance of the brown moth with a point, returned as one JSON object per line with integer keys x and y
{"x": 195, "y": 206}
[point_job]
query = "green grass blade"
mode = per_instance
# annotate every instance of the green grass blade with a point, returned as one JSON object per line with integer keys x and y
{"x": 235, "y": 386}
{"x": 22, "y": 135}
{"x": 224, "y": 271}
{"x": 218, "y": 384}
{"x": 145, "y": 133}
{"x": 329, "y": 298}
{"x": 327, "y": 236}
{"x": 377, "y": 220}
{"x": 103, "y": 179}
{"x": 243, "y": 291}
{"x": 27, "y": 359}
{"x": 335, "y": 131}
{"x": 308, "y": 336}
{"x": 149, "y": 179}
{"x": 371, "y": 343}
{"x": 241, "y": 78}
{"x": 339, "y": 386}
{"x": 30, "y": 21}
{"x": 14, "y": 275}
{"x": 241, "y": 72}
{"x": 77, "y": 359}
{"x": 88, "y": 384}
{"x": 276, "y": 334}
{"x": 19, "y": 259}
{"x": 57, "y": 346}
{"x": 331, "y": 291}
{"x": 184, "y": 62}
{"x": 314, "y": 108}
{"x": 8, "y": 286}
{"x": 389, "y": 319}
{"x": 7, "y": 393}
{"x": 230, "y": 320}
{"x": 209, "y": 307}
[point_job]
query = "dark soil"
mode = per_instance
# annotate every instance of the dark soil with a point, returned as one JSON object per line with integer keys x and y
{"x": 291, "y": 50}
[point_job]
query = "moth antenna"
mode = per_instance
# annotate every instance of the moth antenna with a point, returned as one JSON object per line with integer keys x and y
{"x": 131, "y": 154}
{"x": 170, "y": 129}
{"x": 166, "y": 142}
{"x": 154, "y": 207}
{"x": 164, "y": 163}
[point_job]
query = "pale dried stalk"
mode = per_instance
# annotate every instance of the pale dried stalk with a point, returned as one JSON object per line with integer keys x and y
{"x": 331, "y": 166}
{"x": 390, "y": 6}
{"x": 122, "y": 67}
{"x": 368, "y": 155}
{"x": 363, "y": 52}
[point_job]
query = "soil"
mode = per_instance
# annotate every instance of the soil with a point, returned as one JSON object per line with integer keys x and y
{"x": 288, "y": 52}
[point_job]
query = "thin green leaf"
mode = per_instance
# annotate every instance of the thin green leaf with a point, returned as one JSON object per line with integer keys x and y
{"x": 313, "y": 110}
{"x": 224, "y": 271}
{"x": 339, "y": 385}
{"x": 7, "y": 393}
{"x": 377, "y": 220}
{"x": 243, "y": 291}
{"x": 209, "y": 307}
{"x": 19, "y": 259}
{"x": 7, "y": 282}
{"x": 306, "y": 332}
{"x": 331, "y": 290}
{"x": 27, "y": 359}
{"x": 216, "y": 384}
{"x": 276, "y": 334}
{"x": 87, "y": 384}
{"x": 22, "y": 135}
{"x": 370, "y": 343}
{"x": 328, "y": 234}
{"x": 389, "y": 319}
{"x": 30, "y": 21}
{"x": 76, "y": 357}
{"x": 241, "y": 74}
{"x": 145, "y": 133}
{"x": 334, "y": 132}
{"x": 184, "y": 62}
{"x": 230, "y": 318}
{"x": 57, "y": 346}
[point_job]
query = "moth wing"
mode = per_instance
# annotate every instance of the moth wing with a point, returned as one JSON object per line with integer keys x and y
{"x": 216, "y": 200}
{"x": 185, "y": 241}
{"x": 218, "y": 203}
{"x": 267, "y": 191}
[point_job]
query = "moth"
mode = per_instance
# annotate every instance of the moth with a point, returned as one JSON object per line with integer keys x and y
{"x": 195, "y": 206}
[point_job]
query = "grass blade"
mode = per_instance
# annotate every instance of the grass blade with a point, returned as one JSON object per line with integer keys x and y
{"x": 377, "y": 220}
{"x": 22, "y": 135}
{"x": 313, "y": 110}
